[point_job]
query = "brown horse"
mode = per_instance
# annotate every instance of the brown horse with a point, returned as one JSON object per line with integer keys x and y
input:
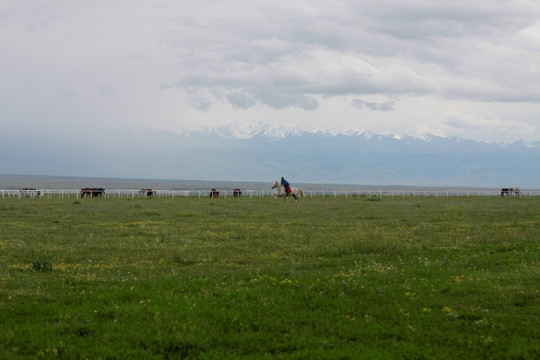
{"x": 92, "y": 192}
{"x": 511, "y": 191}
{"x": 146, "y": 192}
{"x": 214, "y": 193}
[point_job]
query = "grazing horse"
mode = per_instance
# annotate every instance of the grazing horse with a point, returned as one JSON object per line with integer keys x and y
{"x": 31, "y": 192}
{"x": 92, "y": 192}
{"x": 296, "y": 193}
{"x": 146, "y": 192}
{"x": 510, "y": 191}
{"x": 214, "y": 193}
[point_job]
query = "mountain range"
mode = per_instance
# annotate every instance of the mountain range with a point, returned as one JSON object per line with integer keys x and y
{"x": 264, "y": 155}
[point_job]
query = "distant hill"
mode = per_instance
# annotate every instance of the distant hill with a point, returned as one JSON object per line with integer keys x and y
{"x": 303, "y": 157}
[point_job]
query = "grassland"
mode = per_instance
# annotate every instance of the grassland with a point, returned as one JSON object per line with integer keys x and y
{"x": 332, "y": 278}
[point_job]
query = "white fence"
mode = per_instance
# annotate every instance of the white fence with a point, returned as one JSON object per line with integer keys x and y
{"x": 113, "y": 193}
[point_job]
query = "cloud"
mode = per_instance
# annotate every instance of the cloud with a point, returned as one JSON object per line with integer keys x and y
{"x": 171, "y": 65}
{"x": 241, "y": 100}
{"x": 477, "y": 128}
{"x": 200, "y": 99}
{"x": 383, "y": 106}
{"x": 455, "y": 50}
{"x": 462, "y": 122}
{"x": 67, "y": 93}
{"x": 424, "y": 19}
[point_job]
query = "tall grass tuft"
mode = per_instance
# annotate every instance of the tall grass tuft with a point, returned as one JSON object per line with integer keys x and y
{"x": 42, "y": 265}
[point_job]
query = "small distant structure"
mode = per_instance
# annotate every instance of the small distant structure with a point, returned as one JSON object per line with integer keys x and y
{"x": 513, "y": 191}
{"x": 237, "y": 193}
{"x": 31, "y": 192}
{"x": 92, "y": 192}
{"x": 214, "y": 193}
{"x": 146, "y": 192}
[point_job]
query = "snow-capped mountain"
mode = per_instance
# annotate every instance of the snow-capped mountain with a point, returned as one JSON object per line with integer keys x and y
{"x": 258, "y": 153}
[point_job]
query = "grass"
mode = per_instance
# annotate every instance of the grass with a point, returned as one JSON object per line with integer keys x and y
{"x": 332, "y": 278}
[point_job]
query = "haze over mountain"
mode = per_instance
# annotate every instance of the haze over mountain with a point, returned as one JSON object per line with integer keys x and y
{"x": 266, "y": 153}
{"x": 250, "y": 90}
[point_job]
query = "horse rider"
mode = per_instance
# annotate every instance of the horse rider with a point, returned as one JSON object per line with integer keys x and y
{"x": 285, "y": 184}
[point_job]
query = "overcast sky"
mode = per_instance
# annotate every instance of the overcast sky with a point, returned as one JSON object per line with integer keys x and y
{"x": 448, "y": 68}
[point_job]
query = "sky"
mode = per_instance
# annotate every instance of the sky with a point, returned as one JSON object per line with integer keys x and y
{"x": 448, "y": 68}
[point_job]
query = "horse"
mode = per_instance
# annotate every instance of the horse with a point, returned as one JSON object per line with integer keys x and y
{"x": 296, "y": 193}
{"x": 92, "y": 192}
{"x": 146, "y": 192}
{"x": 510, "y": 191}
{"x": 214, "y": 193}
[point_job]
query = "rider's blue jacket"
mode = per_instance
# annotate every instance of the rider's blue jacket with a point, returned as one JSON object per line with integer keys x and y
{"x": 284, "y": 182}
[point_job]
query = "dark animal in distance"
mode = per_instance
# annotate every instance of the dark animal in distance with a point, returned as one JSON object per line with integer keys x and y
{"x": 214, "y": 193}
{"x": 510, "y": 191}
{"x": 32, "y": 192}
{"x": 92, "y": 192}
{"x": 146, "y": 192}
{"x": 237, "y": 193}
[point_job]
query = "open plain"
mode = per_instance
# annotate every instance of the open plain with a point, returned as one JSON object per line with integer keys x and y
{"x": 331, "y": 278}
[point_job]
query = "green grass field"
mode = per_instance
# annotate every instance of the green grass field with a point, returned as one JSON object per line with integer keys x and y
{"x": 332, "y": 278}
